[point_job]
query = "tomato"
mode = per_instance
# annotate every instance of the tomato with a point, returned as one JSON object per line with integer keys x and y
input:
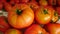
{"x": 53, "y": 28}
{"x": 35, "y": 29}
{"x": 55, "y": 16}
{"x": 33, "y": 4}
{"x": 43, "y": 2}
{"x": 43, "y": 15}
{"x": 58, "y": 10}
{"x": 20, "y": 16}
{"x": 13, "y": 31}
{"x": 3, "y": 24}
{"x": 52, "y": 2}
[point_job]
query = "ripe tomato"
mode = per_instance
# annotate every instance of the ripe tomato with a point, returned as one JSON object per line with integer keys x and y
{"x": 35, "y": 29}
{"x": 3, "y": 24}
{"x": 13, "y": 31}
{"x": 43, "y": 15}
{"x": 58, "y": 10}
{"x": 53, "y": 28}
{"x": 7, "y": 6}
{"x": 20, "y": 16}
{"x": 33, "y": 4}
{"x": 54, "y": 16}
{"x": 43, "y": 2}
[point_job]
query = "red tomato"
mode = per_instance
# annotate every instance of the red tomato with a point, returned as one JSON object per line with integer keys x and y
{"x": 7, "y": 6}
{"x": 53, "y": 28}
{"x": 43, "y": 15}
{"x": 3, "y": 24}
{"x": 35, "y": 29}
{"x": 13, "y": 31}
{"x": 33, "y": 4}
{"x": 20, "y": 16}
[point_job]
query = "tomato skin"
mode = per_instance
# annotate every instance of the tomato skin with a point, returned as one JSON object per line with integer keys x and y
{"x": 33, "y": 5}
{"x": 43, "y": 2}
{"x": 58, "y": 10}
{"x": 7, "y": 6}
{"x": 41, "y": 17}
{"x": 35, "y": 29}
{"x": 53, "y": 28}
{"x": 23, "y": 20}
{"x": 13, "y": 31}
{"x": 3, "y": 24}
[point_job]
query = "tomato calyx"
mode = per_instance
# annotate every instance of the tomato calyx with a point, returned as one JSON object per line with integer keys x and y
{"x": 45, "y": 11}
{"x": 19, "y": 12}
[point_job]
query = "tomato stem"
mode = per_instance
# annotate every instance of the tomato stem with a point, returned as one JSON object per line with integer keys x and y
{"x": 19, "y": 12}
{"x": 45, "y": 11}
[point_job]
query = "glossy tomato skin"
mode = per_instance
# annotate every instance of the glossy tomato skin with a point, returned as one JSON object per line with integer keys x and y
{"x": 53, "y": 28}
{"x": 43, "y": 15}
{"x": 35, "y": 29}
{"x": 23, "y": 20}
{"x": 3, "y": 24}
{"x": 13, "y": 31}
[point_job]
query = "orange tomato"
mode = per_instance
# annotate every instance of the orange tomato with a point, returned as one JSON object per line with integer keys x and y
{"x": 35, "y": 29}
{"x": 43, "y": 2}
{"x": 54, "y": 16}
{"x": 33, "y": 5}
{"x": 43, "y": 15}
{"x": 53, "y": 28}
{"x": 13, "y": 31}
{"x": 20, "y": 16}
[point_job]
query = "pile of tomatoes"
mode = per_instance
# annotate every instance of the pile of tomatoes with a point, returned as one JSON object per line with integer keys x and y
{"x": 29, "y": 17}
